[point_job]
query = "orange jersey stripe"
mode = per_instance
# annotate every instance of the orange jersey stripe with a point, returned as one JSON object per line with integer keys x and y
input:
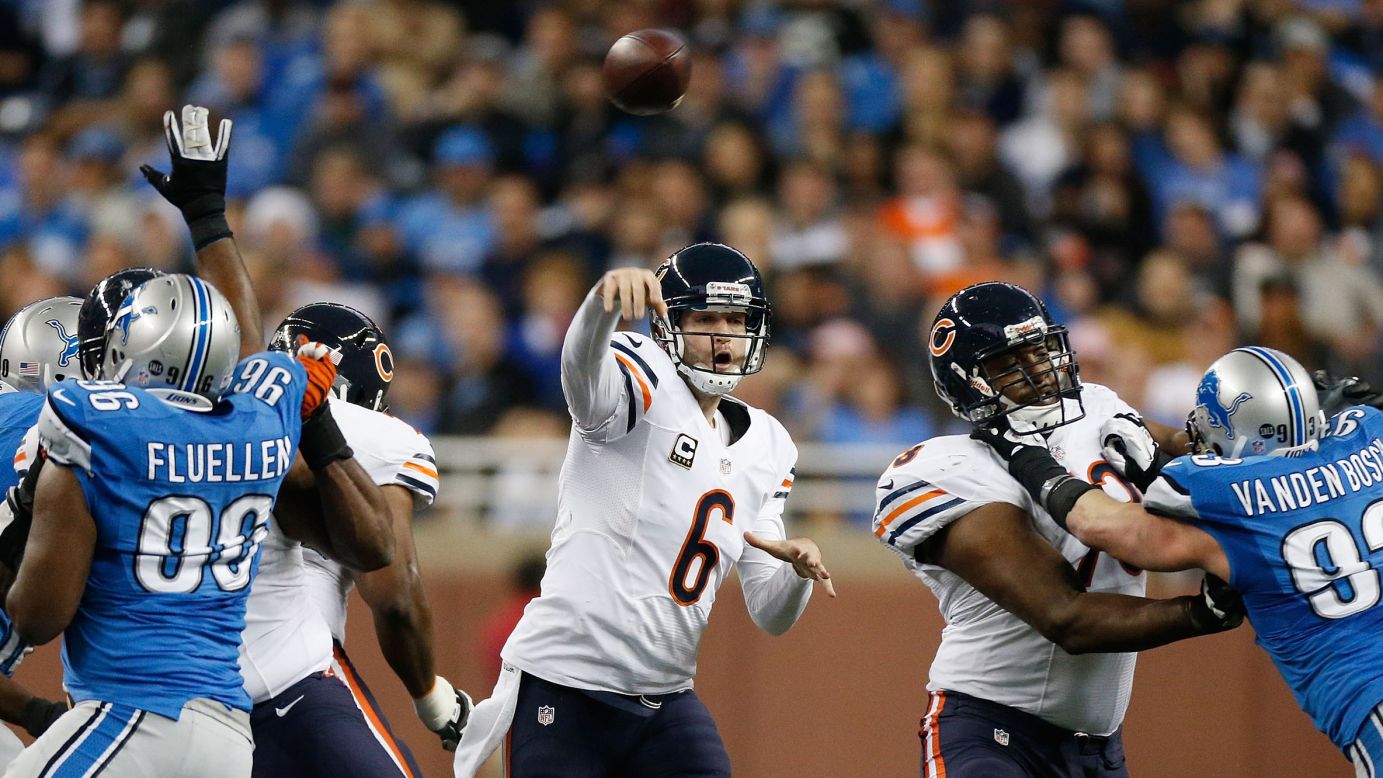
{"x": 933, "y": 724}
{"x": 20, "y": 457}
{"x": 348, "y": 673}
{"x": 786, "y": 483}
{"x": 427, "y": 471}
{"x": 647, "y": 398}
{"x": 904, "y": 508}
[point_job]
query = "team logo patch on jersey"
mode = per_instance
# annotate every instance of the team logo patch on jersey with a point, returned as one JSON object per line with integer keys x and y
{"x": 1001, "y": 737}
{"x": 683, "y": 451}
{"x": 546, "y": 714}
{"x": 724, "y": 465}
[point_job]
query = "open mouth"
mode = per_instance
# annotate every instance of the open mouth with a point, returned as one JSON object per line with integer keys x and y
{"x": 723, "y": 359}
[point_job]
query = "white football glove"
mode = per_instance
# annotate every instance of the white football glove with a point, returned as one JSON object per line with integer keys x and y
{"x": 1127, "y": 444}
{"x": 445, "y": 710}
{"x": 193, "y": 139}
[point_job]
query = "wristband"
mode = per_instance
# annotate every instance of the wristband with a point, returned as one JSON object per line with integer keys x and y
{"x": 322, "y": 442}
{"x": 208, "y": 229}
{"x": 1059, "y": 495}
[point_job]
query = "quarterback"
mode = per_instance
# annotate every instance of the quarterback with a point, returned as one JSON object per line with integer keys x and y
{"x": 667, "y": 484}
{"x": 1035, "y": 666}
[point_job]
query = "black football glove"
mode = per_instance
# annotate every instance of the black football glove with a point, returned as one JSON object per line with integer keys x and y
{"x": 1218, "y": 608}
{"x": 1033, "y": 466}
{"x": 39, "y": 714}
{"x": 1336, "y": 394}
{"x": 197, "y": 185}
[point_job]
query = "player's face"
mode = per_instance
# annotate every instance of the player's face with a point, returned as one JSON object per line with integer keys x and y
{"x": 1023, "y": 374}
{"x": 704, "y": 349}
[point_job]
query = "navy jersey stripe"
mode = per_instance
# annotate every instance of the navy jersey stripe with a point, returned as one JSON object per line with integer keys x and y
{"x": 57, "y": 757}
{"x": 648, "y": 371}
{"x": 893, "y": 496}
{"x": 923, "y": 516}
{"x": 629, "y": 395}
{"x": 419, "y": 485}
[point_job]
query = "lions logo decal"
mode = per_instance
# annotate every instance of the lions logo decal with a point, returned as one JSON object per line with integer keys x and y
{"x": 69, "y": 349}
{"x": 1208, "y": 397}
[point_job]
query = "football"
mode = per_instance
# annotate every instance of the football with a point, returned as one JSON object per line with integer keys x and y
{"x": 647, "y": 72}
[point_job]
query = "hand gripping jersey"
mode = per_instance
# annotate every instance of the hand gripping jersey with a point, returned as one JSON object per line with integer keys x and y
{"x": 392, "y": 453}
{"x": 1304, "y": 539}
{"x": 18, "y": 412}
{"x": 653, "y": 505}
{"x": 986, "y": 651}
{"x": 181, "y": 502}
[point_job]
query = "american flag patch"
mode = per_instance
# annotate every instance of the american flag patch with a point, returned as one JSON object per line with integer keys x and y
{"x": 29, "y": 368}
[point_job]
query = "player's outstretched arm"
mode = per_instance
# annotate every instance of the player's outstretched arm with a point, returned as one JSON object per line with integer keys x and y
{"x": 327, "y": 500}
{"x": 403, "y": 626}
{"x": 996, "y": 550}
{"x": 591, "y": 380}
{"x": 1130, "y": 534}
{"x": 57, "y": 558}
{"x": 196, "y": 185}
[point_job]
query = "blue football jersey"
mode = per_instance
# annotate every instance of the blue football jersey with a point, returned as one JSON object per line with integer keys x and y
{"x": 181, "y": 501}
{"x": 1304, "y": 539}
{"x": 18, "y": 413}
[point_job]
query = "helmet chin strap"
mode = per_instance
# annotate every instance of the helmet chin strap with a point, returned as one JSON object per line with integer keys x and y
{"x": 1037, "y": 418}
{"x": 714, "y": 384}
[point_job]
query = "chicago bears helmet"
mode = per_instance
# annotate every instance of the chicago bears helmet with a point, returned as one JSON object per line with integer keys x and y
{"x": 176, "y": 336}
{"x": 972, "y": 335}
{"x": 1255, "y": 401}
{"x": 38, "y": 346}
{"x": 367, "y": 364}
{"x": 715, "y": 277}
{"x": 99, "y": 308}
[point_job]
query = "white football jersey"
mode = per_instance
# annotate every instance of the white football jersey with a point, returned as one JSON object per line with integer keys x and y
{"x": 285, "y": 638}
{"x": 986, "y": 651}
{"x": 392, "y": 453}
{"x": 653, "y": 505}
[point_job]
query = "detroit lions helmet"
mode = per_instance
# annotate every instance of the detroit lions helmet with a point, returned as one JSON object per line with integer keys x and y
{"x": 716, "y": 277}
{"x": 99, "y": 308}
{"x": 1255, "y": 401}
{"x": 367, "y": 364}
{"x": 177, "y": 337}
{"x": 38, "y": 346}
{"x": 971, "y": 336}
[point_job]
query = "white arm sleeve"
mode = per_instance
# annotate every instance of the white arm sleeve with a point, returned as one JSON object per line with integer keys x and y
{"x": 591, "y": 378}
{"x": 774, "y": 594}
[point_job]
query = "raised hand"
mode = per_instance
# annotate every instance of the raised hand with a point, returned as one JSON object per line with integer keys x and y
{"x": 635, "y": 290}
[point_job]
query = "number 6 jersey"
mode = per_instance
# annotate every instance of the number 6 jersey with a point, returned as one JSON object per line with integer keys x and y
{"x": 181, "y": 503}
{"x": 653, "y": 503}
{"x": 986, "y": 651}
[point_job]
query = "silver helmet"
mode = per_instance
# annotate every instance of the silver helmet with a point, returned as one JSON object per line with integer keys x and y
{"x": 1255, "y": 401}
{"x": 38, "y": 346}
{"x": 176, "y": 336}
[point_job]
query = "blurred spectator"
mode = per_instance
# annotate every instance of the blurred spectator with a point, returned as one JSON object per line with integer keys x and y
{"x": 809, "y": 231}
{"x": 1199, "y": 170}
{"x": 77, "y": 87}
{"x": 972, "y": 143}
{"x": 1045, "y": 143}
{"x": 926, "y": 211}
{"x": 987, "y": 78}
{"x": 449, "y": 228}
{"x": 36, "y": 213}
{"x": 1339, "y": 304}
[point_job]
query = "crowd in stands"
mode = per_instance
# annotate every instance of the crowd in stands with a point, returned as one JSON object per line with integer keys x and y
{"x": 1174, "y": 178}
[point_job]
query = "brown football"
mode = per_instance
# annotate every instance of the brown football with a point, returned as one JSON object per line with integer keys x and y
{"x": 647, "y": 71}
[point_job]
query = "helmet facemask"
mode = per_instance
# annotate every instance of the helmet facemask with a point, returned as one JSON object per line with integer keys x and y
{"x": 720, "y": 377}
{"x": 1037, "y": 394}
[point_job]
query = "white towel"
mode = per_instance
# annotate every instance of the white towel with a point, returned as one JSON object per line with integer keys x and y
{"x": 488, "y": 724}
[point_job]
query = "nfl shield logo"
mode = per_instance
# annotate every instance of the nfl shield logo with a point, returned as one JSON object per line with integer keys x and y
{"x": 1001, "y": 737}
{"x": 724, "y": 465}
{"x": 546, "y": 713}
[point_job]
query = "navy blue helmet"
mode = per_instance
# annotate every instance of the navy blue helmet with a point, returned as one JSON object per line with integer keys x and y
{"x": 996, "y": 352}
{"x": 712, "y": 276}
{"x": 367, "y": 364}
{"x": 99, "y": 308}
